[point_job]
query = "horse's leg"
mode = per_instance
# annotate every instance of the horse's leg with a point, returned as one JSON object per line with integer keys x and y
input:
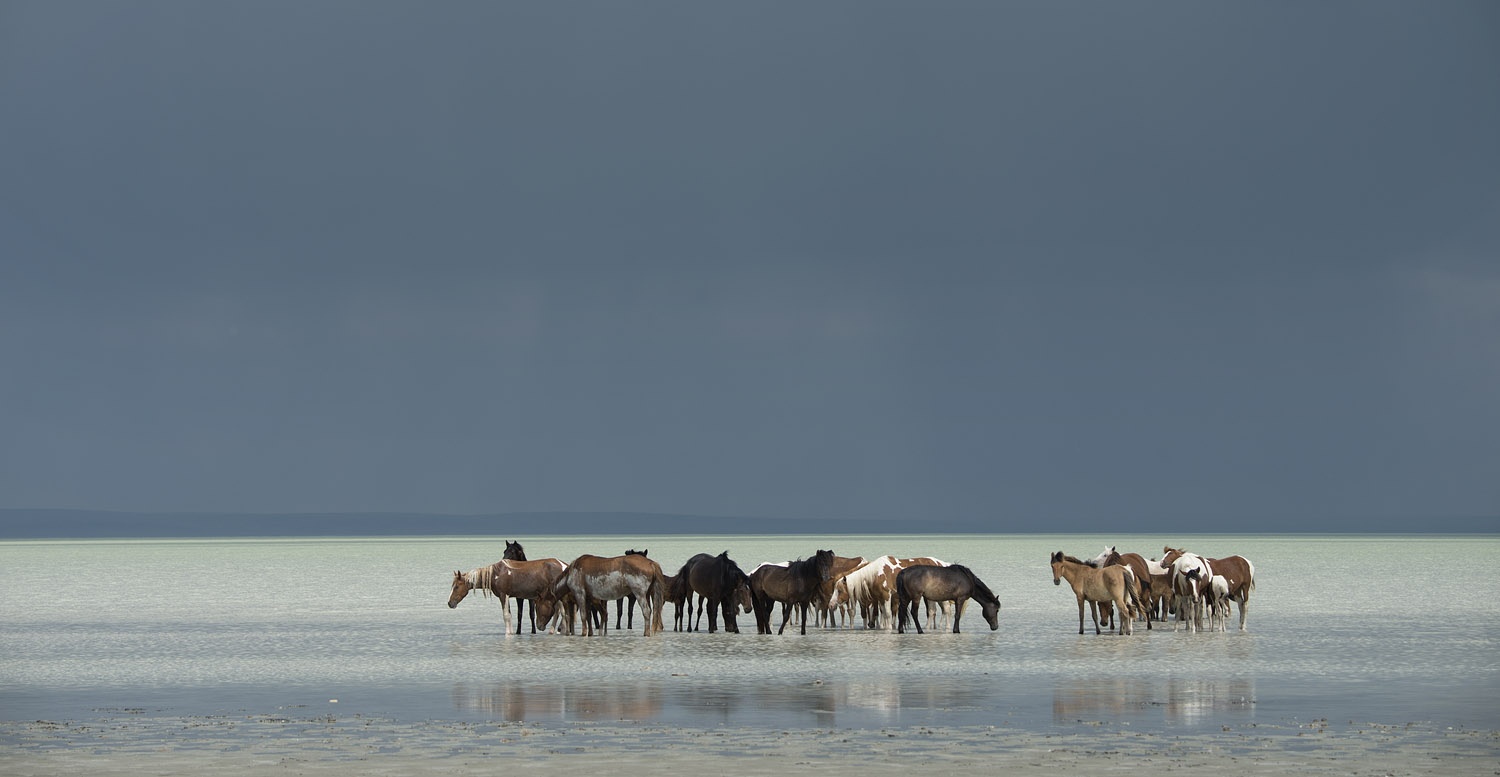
{"x": 958, "y": 611}
{"x": 521, "y": 615}
{"x": 730, "y": 607}
{"x": 713, "y": 614}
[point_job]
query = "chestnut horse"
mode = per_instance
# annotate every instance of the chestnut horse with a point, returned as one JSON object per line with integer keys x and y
{"x": 794, "y": 585}
{"x": 596, "y": 579}
{"x": 521, "y": 579}
{"x": 954, "y": 583}
{"x": 1102, "y": 584}
{"x": 1144, "y": 581}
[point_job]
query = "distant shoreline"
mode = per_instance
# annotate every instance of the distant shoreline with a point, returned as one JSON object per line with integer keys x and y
{"x": 22, "y": 524}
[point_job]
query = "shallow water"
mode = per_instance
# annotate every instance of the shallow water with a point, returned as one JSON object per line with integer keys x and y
{"x": 1343, "y": 628}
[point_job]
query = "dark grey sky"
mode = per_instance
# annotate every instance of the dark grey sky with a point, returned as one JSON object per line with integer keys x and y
{"x": 828, "y": 260}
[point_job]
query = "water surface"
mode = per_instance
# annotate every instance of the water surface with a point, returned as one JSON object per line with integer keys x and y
{"x": 1344, "y": 628}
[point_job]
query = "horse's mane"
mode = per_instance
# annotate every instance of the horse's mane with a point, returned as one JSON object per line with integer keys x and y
{"x": 483, "y": 577}
{"x": 975, "y": 581}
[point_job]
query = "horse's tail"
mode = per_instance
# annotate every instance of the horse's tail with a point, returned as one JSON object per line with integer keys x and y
{"x": 656, "y": 594}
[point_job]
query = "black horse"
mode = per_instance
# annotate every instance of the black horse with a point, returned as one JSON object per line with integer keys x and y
{"x": 620, "y": 608}
{"x": 954, "y": 583}
{"x": 794, "y": 585}
{"x": 720, "y": 583}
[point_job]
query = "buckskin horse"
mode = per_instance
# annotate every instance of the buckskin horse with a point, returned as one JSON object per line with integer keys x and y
{"x": 1093, "y": 584}
{"x": 794, "y": 585}
{"x": 598, "y": 579}
{"x": 722, "y": 584}
{"x": 520, "y": 579}
{"x": 955, "y": 583}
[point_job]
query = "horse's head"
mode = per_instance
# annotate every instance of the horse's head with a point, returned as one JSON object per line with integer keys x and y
{"x": 461, "y": 588}
{"x": 514, "y": 551}
{"x": 634, "y": 552}
{"x": 742, "y": 595}
{"x": 1057, "y": 560}
{"x": 840, "y": 593}
{"x": 991, "y": 613}
{"x": 1170, "y": 554}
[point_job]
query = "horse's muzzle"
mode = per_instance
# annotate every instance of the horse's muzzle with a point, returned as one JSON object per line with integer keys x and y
{"x": 452, "y": 605}
{"x": 1055, "y": 581}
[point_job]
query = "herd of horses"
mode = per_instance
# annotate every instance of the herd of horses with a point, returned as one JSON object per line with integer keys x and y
{"x": 1184, "y": 584}
{"x": 831, "y": 590}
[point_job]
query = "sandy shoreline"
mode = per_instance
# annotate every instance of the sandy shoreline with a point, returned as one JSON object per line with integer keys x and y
{"x": 277, "y": 745}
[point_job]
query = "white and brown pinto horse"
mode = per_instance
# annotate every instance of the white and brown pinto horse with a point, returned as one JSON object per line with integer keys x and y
{"x": 1114, "y": 585}
{"x": 524, "y": 580}
{"x": 1190, "y": 576}
{"x": 1237, "y": 571}
{"x": 596, "y": 579}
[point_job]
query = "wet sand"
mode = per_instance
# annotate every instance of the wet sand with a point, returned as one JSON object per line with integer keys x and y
{"x": 130, "y": 742}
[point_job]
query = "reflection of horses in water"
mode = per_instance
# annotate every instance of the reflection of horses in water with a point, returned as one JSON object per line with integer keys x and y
{"x": 794, "y": 585}
{"x": 954, "y": 583}
{"x": 1091, "y": 584}
{"x": 722, "y": 585}
{"x": 593, "y": 579}
{"x": 520, "y": 579}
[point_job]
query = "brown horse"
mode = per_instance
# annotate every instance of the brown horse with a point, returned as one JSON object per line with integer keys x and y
{"x": 955, "y": 583}
{"x": 596, "y": 579}
{"x": 1091, "y": 584}
{"x": 794, "y": 585}
{"x": 525, "y": 580}
{"x": 1236, "y": 569}
{"x": 1144, "y": 582}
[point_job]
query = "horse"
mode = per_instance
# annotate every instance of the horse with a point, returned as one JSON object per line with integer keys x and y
{"x": 1144, "y": 581}
{"x": 720, "y": 583}
{"x": 826, "y": 609}
{"x": 620, "y": 604}
{"x": 1091, "y": 584}
{"x": 681, "y": 599}
{"x": 1189, "y": 574}
{"x": 934, "y": 606}
{"x": 869, "y": 588}
{"x": 521, "y": 579}
{"x": 1237, "y": 570}
{"x": 597, "y": 579}
{"x": 794, "y": 585}
{"x": 514, "y": 552}
{"x": 956, "y": 583}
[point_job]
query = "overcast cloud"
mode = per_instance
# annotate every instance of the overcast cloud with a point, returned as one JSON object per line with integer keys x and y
{"x": 835, "y": 260}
